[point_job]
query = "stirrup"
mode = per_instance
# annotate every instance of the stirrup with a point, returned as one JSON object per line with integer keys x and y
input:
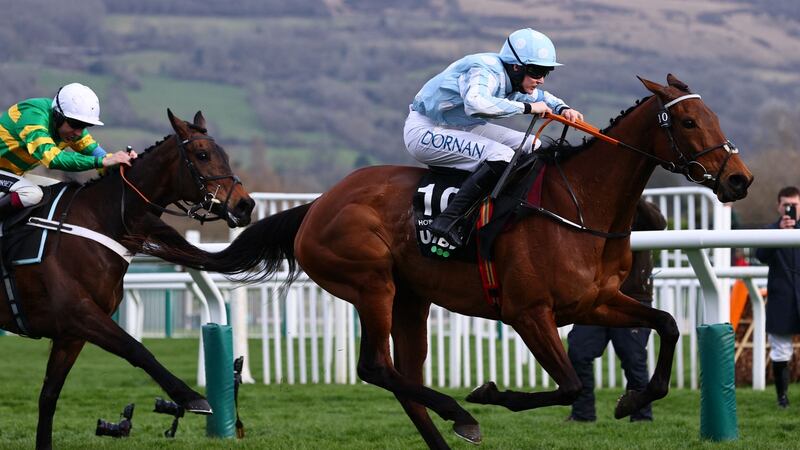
{"x": 443, "y": 245}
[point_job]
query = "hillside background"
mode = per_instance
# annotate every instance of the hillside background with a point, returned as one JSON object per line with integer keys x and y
{"x": 300, "y": 93}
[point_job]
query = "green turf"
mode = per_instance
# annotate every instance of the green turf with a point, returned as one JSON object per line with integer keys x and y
{"x": 337, "y": 417}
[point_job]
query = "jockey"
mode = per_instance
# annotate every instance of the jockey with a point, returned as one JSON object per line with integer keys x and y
{"x": 447, "y": 122}
{"x": 35, "y": 131}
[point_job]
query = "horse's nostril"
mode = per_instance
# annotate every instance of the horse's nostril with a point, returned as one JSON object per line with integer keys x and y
{"x": 738, "y": 181}
{"x": 245, "y": 206}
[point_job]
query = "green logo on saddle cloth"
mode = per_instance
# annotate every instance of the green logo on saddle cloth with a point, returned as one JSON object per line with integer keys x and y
{"x": 439, "y": 251}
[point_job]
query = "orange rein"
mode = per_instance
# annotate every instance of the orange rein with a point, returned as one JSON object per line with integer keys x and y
{"x": 581, "y": 126}
{"x": 122, "y": 174}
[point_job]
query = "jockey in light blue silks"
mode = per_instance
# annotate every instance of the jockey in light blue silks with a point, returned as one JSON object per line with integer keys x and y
{"x": 447, "y": 122}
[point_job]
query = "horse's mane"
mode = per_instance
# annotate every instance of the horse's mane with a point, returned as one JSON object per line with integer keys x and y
{"x": 563, "y": 150}
{"x": 143, "y": 154}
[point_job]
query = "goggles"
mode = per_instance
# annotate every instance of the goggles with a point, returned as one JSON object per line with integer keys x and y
{"x": 535, "y": 71}
{"x": 76, "y": 124}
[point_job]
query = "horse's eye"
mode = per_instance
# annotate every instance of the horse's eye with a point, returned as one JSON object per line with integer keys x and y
{"x": 689, "y": 123}
{"x": 202, "y": 156}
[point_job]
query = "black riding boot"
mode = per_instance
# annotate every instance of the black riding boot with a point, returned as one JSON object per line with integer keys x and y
{"x": 780, "y": 371}
{"x": 473, "y": 189}
{"x": 6, "y": 208}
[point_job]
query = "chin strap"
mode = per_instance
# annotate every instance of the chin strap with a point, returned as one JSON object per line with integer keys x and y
{"x": 516, "y": 77}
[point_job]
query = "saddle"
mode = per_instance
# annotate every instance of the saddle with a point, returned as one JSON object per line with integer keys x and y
{"x": 438, "y": 184}
{"x": 25, "y": 245}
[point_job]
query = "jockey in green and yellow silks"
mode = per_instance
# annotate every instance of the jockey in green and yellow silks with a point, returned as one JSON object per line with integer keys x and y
{"x": 38, "y": 131}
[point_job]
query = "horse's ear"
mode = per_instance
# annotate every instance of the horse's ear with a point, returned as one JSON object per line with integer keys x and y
{"x": 199, "y": 120}
{"x": 652, "y": 86}
{"x": 676, "y": 83}
{"x": 178, "y": 124}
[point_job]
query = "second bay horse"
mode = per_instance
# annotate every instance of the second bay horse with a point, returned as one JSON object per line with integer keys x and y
{"x": 70, "y": 295}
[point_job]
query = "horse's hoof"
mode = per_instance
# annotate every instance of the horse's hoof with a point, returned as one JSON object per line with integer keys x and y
{"x": 483, "y": 394}
{"x": 198, "y": 406}
{"x": 629, "y": 403}
{"x": 469, "y": 432}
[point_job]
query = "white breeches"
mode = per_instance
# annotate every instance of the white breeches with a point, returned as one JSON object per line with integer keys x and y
{"x": 460, "y": 148}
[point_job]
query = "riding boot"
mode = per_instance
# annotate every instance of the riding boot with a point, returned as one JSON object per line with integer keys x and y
{"x": 6, "y": 207}
{"x": 474, "y": 188}
{"x": 780, "y": 372}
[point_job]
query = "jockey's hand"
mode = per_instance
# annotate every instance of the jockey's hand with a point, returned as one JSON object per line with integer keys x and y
{"x": 572, "y": 115}
{"x": 540, "y": 108}
{"x": 120, "y": 157}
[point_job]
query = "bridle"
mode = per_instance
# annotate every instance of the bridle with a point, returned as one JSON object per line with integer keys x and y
{"x": 201, "y": 181}
{"x": 684, "y": 165}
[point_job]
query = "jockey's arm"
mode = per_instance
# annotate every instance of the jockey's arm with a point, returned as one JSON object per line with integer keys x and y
{"x": 556, "y": 104}
{"x": 476, "y": 88}
{"x": 41, "y": 146}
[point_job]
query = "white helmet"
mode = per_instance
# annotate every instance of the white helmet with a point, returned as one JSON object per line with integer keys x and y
{"x": 78, "y": 102}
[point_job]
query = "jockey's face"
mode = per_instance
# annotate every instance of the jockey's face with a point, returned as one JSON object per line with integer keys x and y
{"x": 69, "y": 134}
{"x": 529, "y": 83}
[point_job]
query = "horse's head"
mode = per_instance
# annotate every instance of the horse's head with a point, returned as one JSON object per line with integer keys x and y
{"x": 694, "y": 144}
{"x": 205, "y": 175}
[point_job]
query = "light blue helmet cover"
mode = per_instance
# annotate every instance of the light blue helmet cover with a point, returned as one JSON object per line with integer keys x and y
{"x": 531, "y": 46}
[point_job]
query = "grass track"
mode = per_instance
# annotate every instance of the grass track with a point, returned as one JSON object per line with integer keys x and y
{"x": 338, "y": 417}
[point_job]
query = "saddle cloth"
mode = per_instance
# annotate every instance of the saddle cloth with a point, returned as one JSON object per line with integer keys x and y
{"x": 435, "y": 189}
{"x": 25, "y": 244}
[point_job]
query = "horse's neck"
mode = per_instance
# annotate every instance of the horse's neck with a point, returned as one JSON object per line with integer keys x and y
{"x": 154, "y": 177}
{"x": 607, "y": 180}
{"x": 103, "y": 204}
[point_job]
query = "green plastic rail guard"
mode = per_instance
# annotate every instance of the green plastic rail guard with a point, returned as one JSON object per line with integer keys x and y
{"x": 717, "y": 382}
{"x": 218, "y": 351}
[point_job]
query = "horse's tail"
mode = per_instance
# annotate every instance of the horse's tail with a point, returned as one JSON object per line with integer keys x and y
{"x": 257, "y": 253}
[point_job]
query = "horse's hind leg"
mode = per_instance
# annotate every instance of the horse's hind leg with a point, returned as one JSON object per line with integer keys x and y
{"x": 345, "y": 250}
{"x": 409, "y": 332}
{"x": 623, "y": 311}
{"x": 62, "y": 357}
{"x": 538, "y": 329}
{"x": 98, "y": 328}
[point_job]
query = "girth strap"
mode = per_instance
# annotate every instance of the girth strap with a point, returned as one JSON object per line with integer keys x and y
{"x": 76, "y": 230}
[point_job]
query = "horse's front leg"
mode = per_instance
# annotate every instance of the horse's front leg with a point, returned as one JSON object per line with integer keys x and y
{"x": 98, "y": 328}
{"x": 537, "y": 327}
{"x": 62, "y": 357}
{"x": 624, "y": 312}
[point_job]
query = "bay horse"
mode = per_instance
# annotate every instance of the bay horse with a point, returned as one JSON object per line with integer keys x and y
{"x": 358, "y": 242}
{"x": 69, "y": 297}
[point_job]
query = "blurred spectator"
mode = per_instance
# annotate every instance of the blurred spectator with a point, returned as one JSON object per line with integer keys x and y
{"x": 783, "y": 290}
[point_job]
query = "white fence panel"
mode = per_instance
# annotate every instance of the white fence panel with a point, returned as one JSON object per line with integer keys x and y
{"x": 308, "y": 337}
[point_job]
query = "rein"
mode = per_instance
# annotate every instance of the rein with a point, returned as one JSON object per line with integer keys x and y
{"x": 664, "y": 121}
{"x": 683, "y": 167}
{"x": 200, "y": 180}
